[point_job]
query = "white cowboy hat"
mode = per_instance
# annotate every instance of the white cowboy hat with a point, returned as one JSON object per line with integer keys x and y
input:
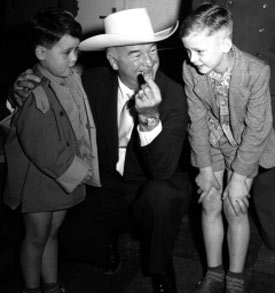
{"x": 126, "y": 27}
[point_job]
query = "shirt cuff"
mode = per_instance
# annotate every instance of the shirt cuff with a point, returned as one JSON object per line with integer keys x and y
{"x": 146, "y": 137}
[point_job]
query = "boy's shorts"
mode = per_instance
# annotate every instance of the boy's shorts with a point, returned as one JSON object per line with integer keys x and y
{"x": 223, "y": 155}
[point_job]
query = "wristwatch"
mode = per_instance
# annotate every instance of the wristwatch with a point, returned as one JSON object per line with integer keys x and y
{"x": 150, "y": 121}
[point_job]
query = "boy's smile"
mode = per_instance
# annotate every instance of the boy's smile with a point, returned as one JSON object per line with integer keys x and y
{"x": 208, "y": 53}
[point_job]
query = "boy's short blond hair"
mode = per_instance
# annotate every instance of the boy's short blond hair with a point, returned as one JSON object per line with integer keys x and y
{"x": 207, "y": 18}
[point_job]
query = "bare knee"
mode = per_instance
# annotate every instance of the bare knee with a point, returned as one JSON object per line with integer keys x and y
{"x": 212, "y": 204}
{"x": 231, "y": 217}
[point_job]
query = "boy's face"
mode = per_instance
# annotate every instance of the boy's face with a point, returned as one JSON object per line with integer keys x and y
{"x": 60, "y": 58}
{"x": 208, "y": 53}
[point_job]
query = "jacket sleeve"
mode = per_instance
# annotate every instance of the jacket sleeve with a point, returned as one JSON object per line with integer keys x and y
{"x": 198, "y": 128}
{"x": 161, "y": 156}
{"x": 44, "y": 143}
{"x": 258, "y": 125}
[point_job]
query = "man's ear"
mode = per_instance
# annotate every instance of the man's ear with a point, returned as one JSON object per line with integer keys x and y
{"x": 112, "y": 60}
{"x": 40, "y": 52}
{"x": 227, "y": 44}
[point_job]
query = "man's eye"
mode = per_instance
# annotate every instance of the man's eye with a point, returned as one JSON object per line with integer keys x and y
{"x": 153, "y": 50}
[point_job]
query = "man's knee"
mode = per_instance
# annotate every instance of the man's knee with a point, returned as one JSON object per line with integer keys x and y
{"x": 159, "y": 198}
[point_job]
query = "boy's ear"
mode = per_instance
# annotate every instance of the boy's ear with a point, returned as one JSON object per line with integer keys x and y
{"x": 112, "y": 60}
{"x": 227, "y": 44}
{"x": 40, "y": 52}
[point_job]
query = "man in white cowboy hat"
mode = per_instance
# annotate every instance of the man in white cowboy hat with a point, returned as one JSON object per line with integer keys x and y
{"x": 139, "y": 146}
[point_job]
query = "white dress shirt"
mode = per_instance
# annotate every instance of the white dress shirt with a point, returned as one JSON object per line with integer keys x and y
{"x": 124, "y": 94}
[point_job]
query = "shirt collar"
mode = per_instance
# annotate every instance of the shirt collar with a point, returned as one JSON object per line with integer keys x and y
{"x": 126, "y": 92}
{"x": 225, "y": 75}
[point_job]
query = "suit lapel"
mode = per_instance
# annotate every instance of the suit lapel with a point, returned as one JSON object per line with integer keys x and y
{"x": 106, "y": 114}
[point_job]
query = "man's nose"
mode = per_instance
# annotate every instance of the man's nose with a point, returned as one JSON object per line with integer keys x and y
{"x": 147, "y": 59}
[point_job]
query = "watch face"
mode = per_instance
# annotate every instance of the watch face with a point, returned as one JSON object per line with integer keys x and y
{"x": 151, "y": 121}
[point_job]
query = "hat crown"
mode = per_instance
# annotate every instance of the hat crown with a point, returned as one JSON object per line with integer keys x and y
{"x": 129, "y": 23}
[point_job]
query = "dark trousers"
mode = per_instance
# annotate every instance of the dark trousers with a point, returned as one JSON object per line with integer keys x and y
{"x": 264, "y": 203}
{"x": 154, "y": 208}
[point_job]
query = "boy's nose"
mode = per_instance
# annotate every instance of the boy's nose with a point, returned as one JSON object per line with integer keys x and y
{"x": 73, "y": 57}
{"x": 192, "y": 57}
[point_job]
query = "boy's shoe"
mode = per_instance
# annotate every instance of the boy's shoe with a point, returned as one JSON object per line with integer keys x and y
{"x": 234, "y": 285}
{"x": 209, "y": 285}
{"x": 58, "y": 288}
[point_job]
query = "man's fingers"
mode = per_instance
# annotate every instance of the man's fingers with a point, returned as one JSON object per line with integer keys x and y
{"x": 29, "y": 75}
{"x": 217, "y": 185}
{"x": 202, "y": 196}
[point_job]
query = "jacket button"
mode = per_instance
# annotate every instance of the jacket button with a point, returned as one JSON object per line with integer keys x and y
{"x": 61, "y": 113}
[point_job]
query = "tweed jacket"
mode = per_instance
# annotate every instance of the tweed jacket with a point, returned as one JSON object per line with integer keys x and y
{"x": 160, "y": 159}
{"x": 249, "y": 110}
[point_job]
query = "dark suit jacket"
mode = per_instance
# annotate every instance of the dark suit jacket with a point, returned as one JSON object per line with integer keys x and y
{"x": 160, "y": 159}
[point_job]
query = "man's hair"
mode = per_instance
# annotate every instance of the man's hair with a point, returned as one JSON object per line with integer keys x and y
{"x": 207, "y": 18}
{"x": 49, "y": 25}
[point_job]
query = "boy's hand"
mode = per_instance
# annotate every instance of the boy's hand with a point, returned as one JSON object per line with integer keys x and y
{"x": 23, "y": 85}
{"x": 237, "y": 193}
{"x": 206, "y": 180}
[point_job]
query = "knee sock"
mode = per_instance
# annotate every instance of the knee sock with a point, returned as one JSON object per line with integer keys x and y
{"x": 216, "y": 273}
{"x": 235, "y": 281}
{"x": 32, "y": 290}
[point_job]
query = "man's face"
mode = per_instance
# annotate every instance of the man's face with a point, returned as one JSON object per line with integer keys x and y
{"x": 130, "y": 61}
{"x": 207, "y": 53}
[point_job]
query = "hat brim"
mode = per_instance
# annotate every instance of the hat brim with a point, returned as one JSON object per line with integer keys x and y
{"x": 103, "y": 41}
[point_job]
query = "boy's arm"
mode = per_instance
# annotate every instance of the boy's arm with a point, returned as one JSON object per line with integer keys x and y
{"x": 47, "y": 148}
{"x": 198, "y": 128}
{"x": 257, "y": 123}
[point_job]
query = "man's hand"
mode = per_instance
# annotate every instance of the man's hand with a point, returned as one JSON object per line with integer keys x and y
{"x": 148, "y": 98}
{"x": 237, "y": 192}
{"x": 206, "y": 180}
{"x": 23, "y": 85}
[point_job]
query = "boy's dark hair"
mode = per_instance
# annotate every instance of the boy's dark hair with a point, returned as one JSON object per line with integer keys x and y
{"x": 209, "y": 18}
{"x": 49, "y": 25}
